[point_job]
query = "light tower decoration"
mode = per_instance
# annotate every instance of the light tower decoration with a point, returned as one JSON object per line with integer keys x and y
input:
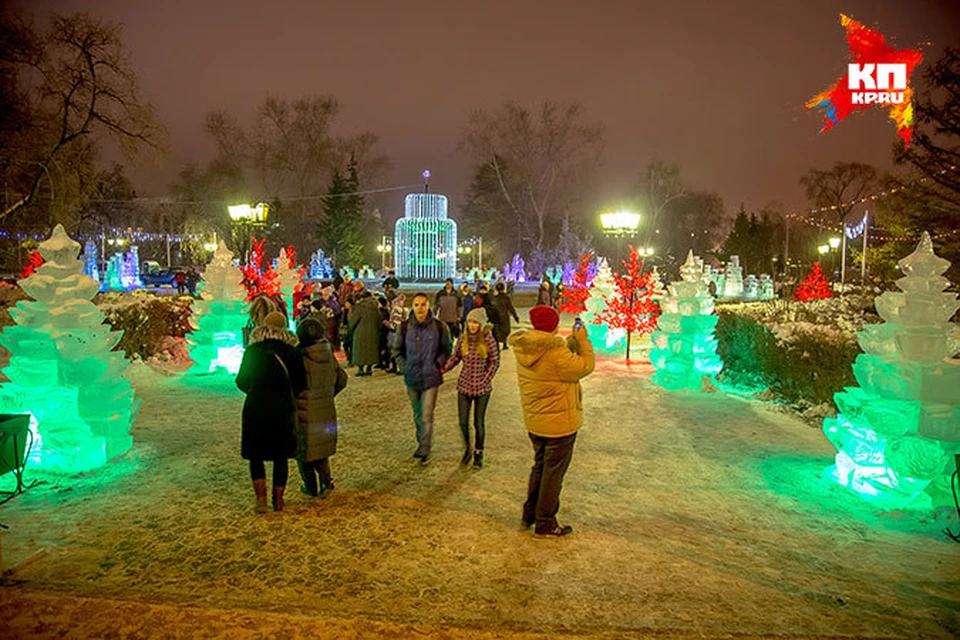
{"x": 632, "y": 307}
{"x": 897, "y": 433}
{"x": 685, "y": 349}
{"x": 218, "y": 317}
{"x": 426, "y": 240}
{"x": 63, "y": 368}
{"x": 91, "y": 257}
{"x": 814, "y": 286}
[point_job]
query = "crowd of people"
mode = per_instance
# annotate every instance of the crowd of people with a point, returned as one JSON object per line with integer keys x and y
{"x": 291, "y": 379}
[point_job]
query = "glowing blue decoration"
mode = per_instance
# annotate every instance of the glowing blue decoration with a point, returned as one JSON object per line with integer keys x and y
{"x": 854, "y": 231}
{"x": 130, "y": 270}
{"x": 64, "y": 370}
{"x": 219, "y": 317}
{"x": 426, "y": 240}
{"x": 896, "y": 434}
{"x": 320, "y": 266}
{"x": 111, "y": 276}
{"x": 90, "y": 260}
{"x": 515, "y": 269}
{"x": 685, "y": 349}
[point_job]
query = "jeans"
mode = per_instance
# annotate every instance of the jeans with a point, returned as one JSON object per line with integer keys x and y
{"x": 423, "y": 402}
{"x": 479, "y": 415}
{"x": 259, "y": 472}
{"x": 551, "y": 457}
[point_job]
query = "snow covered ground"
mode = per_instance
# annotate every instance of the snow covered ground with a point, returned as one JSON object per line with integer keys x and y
{"x": 695, "y": 515}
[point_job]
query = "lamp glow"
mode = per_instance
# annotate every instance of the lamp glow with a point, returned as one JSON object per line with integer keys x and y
{"x": 834, "y": 242}
{"x": 620, "y": 222}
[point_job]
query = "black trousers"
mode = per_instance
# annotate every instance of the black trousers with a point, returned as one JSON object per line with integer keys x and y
{"x": 259, "y": 472}
{"x": 479, "y": 418}
{"x": 551, "y": 458}
{"x": 315, "y": 474}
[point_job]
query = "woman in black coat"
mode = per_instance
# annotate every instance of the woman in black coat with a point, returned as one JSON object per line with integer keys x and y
{"x": 504, "y": 306}
{"x": 271, "y": 374}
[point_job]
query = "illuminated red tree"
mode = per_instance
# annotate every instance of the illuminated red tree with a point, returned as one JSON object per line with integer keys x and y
{"x": 255, "y": 279}
{"x": 632, "y": 307}
{"x": 34, "y": 261}
{"x": 300, "y": 289}
{"x": 576, "y": 292}
{"x": 814, "y": 286}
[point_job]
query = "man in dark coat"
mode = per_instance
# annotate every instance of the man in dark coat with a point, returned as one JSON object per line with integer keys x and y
{"x": 271, "y": 374}
{"x": 423, "y": 344}
{"x": 391, "y": 280}
{"x": 448, "y": 305}
{"x": 504, "y": 307}
{"x": 364, "y": 329}
{"x": 316, "y": 412}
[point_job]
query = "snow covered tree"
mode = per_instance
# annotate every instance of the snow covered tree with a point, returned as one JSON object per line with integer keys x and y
{"x": 63, "y": 368}
{"x": 632, "y": 308}
{"x": 814, "y": 286}
{"x": 577, "y": 290}
{"x": 219, "y": 316}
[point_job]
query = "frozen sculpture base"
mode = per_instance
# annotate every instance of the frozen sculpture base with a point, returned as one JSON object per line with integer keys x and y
{"x": 896, "y": 434}
{"x": 63, "y": 369}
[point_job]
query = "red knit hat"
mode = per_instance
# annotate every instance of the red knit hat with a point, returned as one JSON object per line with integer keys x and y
{"x": 544, "y": 318}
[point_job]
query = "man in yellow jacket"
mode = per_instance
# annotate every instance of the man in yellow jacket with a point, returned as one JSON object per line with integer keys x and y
{"x": 550, "y": 370}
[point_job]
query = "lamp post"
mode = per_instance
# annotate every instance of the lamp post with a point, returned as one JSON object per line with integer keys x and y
{"x": 245, "y": 215}
{"x": 620, "y": 225}
{"x": 385, "y": 247}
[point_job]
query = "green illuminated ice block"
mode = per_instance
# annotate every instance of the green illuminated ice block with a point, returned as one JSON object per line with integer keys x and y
{"x": 219, "y": 317}
{"x": 685, "y": 349}
{"x": 63, "y": 369}
{"x": 896, "y": 434}
{"x": 602, "y": 289}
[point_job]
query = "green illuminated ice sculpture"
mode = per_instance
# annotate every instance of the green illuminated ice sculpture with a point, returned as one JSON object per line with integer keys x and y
{"x": 685, "y": 349}
{"x": 896, "y": 434}
{"x": 218, "y": 317}
{"x": 63, "y": 369}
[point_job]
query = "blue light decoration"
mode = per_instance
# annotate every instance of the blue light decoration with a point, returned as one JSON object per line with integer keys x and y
{"x": 130, "y": 270}
{"x": 514, "y": 270}
{"x": 897, "y": 433}
{"x": 426, "y": 240}
{"x": 685, "y": 349}
{"x": 63, "y": 369}
{"x": 320, "y": 266}
{"x": 91, "y": 257}
{"x": 218, "y": 317}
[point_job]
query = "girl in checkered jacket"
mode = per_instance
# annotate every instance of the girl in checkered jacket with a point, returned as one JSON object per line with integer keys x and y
{"x": 477, "y": 348}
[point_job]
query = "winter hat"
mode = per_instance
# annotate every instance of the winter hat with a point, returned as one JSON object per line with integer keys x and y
{"x": 357, "y": 285}
{"x": 544, "y": 318}
{"x": 275, "y": 320}
{"x": 309, "y": 332}
{"x": 478, "y": 315}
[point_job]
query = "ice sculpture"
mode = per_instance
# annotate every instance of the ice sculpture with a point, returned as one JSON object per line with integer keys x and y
{"x": 111, "y": 274}
{"x": 219, "y": 317}
{"x": 751, "y": 288}
{"x": 320, "y": 266}
{"x": 896, "y": 434}
{"x": 685, "y": 349}
{"x": 130, "y": 270}
{"x": 766, "y": 287}
{"x": 289, "y": 278}
{"x": 733, "y": 279}
{"x": 366, "y": 273}
{"x": 602, "y": 288}
{"x": 63, "y": 369}
{"x": 515, "y": 269}
{"x": 90, "y": 257}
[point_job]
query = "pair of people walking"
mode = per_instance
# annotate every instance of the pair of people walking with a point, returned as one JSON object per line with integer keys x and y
{"x": 290, "y": 382}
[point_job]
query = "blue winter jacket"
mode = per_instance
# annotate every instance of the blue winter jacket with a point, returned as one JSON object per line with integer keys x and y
{"x": 424, "y": 348}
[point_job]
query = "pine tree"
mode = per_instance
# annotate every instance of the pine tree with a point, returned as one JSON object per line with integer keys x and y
{"x": 341, "y": 230}
{"x": 577, "y": 290}
{"x": 633, "y": 308}
{"x": 814, "y": 286}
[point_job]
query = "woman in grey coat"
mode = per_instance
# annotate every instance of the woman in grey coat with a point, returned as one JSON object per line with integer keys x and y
{"x": 316, "y": 429}
{"x": 365, "y": 333}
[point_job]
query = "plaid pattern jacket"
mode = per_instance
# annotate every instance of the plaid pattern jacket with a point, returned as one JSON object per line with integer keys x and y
{"x": 476, "y": 376}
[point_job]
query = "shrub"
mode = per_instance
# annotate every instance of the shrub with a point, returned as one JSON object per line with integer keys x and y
{"x": 147, "y": 320}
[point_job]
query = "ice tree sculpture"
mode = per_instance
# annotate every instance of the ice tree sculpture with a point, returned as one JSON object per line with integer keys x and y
{"x": 289, "y": 278}
{"x": 218, "y": 317}
{"x": 751, "y": 288}
{"x": 63, "y": 369}
{"x": 733, "y": 279}
{"x": 896, "y": 434}
{"x": 814, "y": 286}
{"x": 602, "y": 289}
{"x": 320, "y": 266}
{"x": 515, "y": 269}
{"x": 685, "y": 349}
{"x": 90, "y": 260}
{"x": 766, "y": 287}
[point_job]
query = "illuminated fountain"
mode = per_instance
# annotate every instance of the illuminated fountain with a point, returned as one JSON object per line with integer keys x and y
{"x": 426, "y": 240}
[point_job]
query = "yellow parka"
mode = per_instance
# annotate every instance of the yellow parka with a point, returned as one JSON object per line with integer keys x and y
{"x": 550, "y": 373}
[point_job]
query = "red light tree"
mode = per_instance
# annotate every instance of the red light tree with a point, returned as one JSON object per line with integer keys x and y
{"x": 576, "y": 292}
{"x": 255, "y": 279}
{"x": 632, "y": 307}
{"x": 300, "y": 289}
{"x": 34, "y": 261}
{"x": 814, "y": 286}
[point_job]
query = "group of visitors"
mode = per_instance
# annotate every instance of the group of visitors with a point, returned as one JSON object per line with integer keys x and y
{"x": 291, "y": 381}
{"x": 186, "y": 280}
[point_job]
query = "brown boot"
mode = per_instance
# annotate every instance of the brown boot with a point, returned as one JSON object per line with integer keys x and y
{"x": 278, "y": 498}
{"x": 260, "y": 488}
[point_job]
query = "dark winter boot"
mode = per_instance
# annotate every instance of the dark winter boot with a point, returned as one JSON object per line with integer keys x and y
{"x": 260, "y": 488}
{"x": 278, "y": 498}
{"x": 478, "y": 459}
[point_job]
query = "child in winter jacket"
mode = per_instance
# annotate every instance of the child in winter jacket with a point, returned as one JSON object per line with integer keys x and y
{"x": 478, "y": 350}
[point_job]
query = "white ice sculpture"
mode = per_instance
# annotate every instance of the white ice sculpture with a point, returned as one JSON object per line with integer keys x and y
{"x": 63, "y": 368}
{"x": 602, "y": 289}
{"x": 219, "y": 317}
{"x": 733, "y": 280}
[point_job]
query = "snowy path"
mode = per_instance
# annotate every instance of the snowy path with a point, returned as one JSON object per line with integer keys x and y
{"x": 694, "y": 515}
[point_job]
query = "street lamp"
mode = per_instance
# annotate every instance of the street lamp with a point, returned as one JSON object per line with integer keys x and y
{"x": 619, "y": 225}
{"x": 383, "y": 249}
{"x": 249, "y": 217}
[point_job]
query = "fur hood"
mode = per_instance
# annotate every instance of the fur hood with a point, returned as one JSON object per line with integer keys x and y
{"x": 264, "y": 332}
{"x": 530, "y": 345}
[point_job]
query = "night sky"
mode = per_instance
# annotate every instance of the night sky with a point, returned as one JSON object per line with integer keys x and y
{"x": 717, "y": 87}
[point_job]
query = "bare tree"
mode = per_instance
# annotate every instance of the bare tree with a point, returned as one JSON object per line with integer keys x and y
{"x": 542, "y": 161}
{"x": 838, "y": 188}
{"x": 68, "y": 85}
